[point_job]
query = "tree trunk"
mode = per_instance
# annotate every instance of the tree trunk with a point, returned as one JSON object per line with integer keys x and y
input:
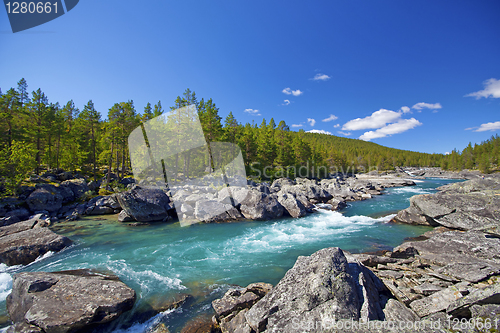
{"x": 108, "y": 177}
{"x": 123, "y": 161}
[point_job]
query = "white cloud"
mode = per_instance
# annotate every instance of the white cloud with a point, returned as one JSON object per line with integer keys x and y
{"x": 321, "y": 77}
{"x": 289, "y": 91}
{"x": 253, "y": 112}
{"x": 319, "y": 131}
{"x": 447, "y": 153}
{"x": 336, "y": 125}
{"x": 422, "y": 105}
{"x": 286, "y": 102}
{"x": 311, "y": 121}
{"x": 486, "y": 127}
{"x": 330, "y": 118}
{"x": 405, "y": 109}
{"x": 491, "y": 89}
{"x": 378, "y": 119}
{"x": 401, "y": 126}
{"x": 297, "y": 125}
{"x": 344, "y": 133}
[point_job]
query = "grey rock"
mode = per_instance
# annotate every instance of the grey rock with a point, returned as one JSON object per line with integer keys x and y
{"x": 472, "y": 272}
{"x": 94, "y": 185}
{"x": 4, "y": 221}
{"x": 234, "y": 300}
{"x": 124, "y": 217}
{"x": 145, "y": 204}
{"x": 293, "y": 207}
{"x": 371, "y": 260}
{"x": 21, "y": 213}
{"x": 456, "y": 247}
{"x": 491, "y": 311}
{"x": 47, "y": 198}
{"x": 427, "y": 289}
{"x": 471, "y": 205}
{"x": 233, "y": 196}
{"x": 461, "y": 307}
{"x": 23, "y": 247}
{"x": 236, "y": 324}
{"x": 67, "y": 301}
{"x": 214, "y": 211}
{"x": 101, "y": 205}
{"x": 323, "y": 286}
{"x": 390, "y": 274}
{"x": 259, "y": 206}
{"x": 436, "y": 302}
{"x": 77, "y": 186}
{"x": 396, "y": 311}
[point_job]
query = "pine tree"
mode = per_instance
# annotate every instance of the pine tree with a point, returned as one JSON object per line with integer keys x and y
{"x": 91, "y": 119}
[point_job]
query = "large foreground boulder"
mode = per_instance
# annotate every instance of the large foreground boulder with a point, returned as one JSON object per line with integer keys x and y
{"x": 21, "y": 243}
{"x": 66, "y": 301}
{"x": 145, "y": 204}
{"x": 323, "y": 287}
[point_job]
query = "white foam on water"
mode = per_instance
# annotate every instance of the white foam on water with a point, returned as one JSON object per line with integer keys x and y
{"x": 5, "y": 285}
{"x": 287, "y": 234}
{"x": 409, "y": 189}
{"x": 144, "y": 278}
{"x": 148, "y": 325}
{"x": 386, "y": 218}
{"x": 44, "y": 256}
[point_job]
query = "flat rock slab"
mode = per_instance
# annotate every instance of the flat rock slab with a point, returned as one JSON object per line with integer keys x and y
{"x": 67, "y": 301}
{"x": 450, "y": 247}
{"x": 22, "y": 248}
{"x": 436, "y": 302}
{"x": 488, "y": 295}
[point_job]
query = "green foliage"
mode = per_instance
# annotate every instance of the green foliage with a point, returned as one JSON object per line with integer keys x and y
{"x": 16, "y": 163}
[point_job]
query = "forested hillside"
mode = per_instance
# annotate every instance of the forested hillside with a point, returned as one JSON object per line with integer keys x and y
{"x": 37, "y": 134}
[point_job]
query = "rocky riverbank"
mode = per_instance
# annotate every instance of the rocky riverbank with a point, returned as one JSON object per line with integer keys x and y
{"x": 66, "y": 301}
{"x": 448, "y": 279}
{"x": 261, "y": 202}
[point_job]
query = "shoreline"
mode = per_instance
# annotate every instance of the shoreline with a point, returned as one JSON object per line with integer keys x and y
{"x": 444, "y": 276}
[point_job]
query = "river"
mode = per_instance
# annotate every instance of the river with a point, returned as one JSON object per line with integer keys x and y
{"x": 162, "y": 261}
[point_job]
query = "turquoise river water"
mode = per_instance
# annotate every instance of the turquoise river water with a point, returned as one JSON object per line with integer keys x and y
{"x": 163, "y": 261}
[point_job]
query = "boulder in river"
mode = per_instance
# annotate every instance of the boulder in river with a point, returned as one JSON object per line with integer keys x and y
{"x": 145, "y": 204}
{"x": 293, "y": 206}
{"x": 21, "y": 243}
{"x": 259, "y": 206}
{"x": 324, "y": 287}
{"x": 67, "y": 301}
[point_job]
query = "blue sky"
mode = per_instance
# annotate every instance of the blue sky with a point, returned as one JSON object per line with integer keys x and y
{"x": 398, "y": 73}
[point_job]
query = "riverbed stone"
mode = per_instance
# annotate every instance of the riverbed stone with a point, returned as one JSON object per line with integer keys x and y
{"x": 292, "y": 206}
{"x": 47, "y": 198}
{"x": 436, "y": 302}
{"x": 145, "y": 204}
{"x": 22, "y": 248}
{"x": 67, "y": 301}
{"x": 259, "y": 206}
